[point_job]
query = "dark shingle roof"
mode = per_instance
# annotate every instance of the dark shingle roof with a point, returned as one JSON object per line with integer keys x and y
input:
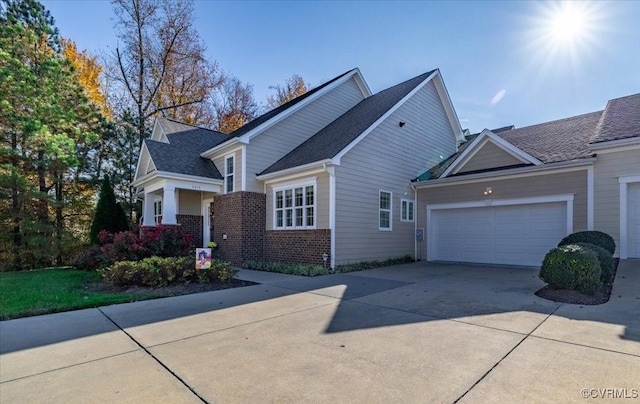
{"x": 562, "y": 140}
{"x": 330, "y": 140}
{"x": 550, "y": 142}
{"x": 182, "y": 154}
{"x": 276, "y": 111}
{"x": 620, "y": 119}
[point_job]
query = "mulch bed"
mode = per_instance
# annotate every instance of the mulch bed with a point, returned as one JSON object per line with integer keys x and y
{"x": 574, "y": 297}
{"x": 172, "y": 290}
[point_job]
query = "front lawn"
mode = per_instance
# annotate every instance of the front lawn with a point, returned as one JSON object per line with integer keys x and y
{"x": 29, "y": 293}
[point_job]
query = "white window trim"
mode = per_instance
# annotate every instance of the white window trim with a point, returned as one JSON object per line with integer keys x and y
{"x": 292, "y": 186}
{"x": 407, "y": 201}
{"x": 624, "y": 229}
{"x": 155, "y": 216}
{"x": 227, "y": 174}
{"x": 390, "y": 228}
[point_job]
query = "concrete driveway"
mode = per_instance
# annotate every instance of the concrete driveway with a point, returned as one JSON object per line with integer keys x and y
{"x": 411, "y": 333}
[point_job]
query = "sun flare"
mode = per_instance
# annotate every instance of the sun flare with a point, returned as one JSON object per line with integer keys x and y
{"x": 568, "y": 24}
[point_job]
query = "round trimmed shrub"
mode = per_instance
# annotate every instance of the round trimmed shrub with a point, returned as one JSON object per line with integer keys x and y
{"x": 605, "y": 258}
{"x": 572, "y": 267}
{"x": 592, "y": 237}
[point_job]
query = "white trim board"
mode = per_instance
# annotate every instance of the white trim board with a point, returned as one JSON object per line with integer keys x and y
{"x": 624, "y": 209}
{"x": 479, "y": 142}
{"x": 568, "y": 198}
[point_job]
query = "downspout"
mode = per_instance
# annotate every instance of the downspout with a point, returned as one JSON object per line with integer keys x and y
{"x": 332, "y": 212}
{"x": 415, "y": 222}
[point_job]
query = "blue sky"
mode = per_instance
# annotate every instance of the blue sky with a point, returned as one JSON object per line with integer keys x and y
{"x": 500, "y": 61}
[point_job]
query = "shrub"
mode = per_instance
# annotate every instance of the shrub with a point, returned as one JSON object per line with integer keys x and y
{"x": 571, "y": 267}
{"x": 167, "y": 241}
{"x": 374, "y": 264}
{"x": 123, "y": 246}
{"x": 159, "y": 271}
{"x": 291, "y": 269}
{"x": 593, "y": 237}
{"x": 604, "y": 257}
{"x": 91, "y": 258}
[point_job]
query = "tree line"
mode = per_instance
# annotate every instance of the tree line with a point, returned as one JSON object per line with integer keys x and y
{"x": 69, "y": 118}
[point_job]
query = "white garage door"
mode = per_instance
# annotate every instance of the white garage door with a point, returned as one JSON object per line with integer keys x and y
{"x": 511, "y": 235}
{"x": 633, "y": 216}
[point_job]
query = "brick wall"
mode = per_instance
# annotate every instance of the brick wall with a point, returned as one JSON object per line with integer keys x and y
{"x": 241, "y": 216}
{"x": 297, "y": 246}
{"x": 192, "y": 224}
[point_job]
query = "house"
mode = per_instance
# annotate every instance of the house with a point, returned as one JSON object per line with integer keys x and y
{"x": 341, "y": 175}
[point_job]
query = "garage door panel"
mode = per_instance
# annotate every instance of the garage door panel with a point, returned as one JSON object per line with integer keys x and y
{"x": 511, "y": 235}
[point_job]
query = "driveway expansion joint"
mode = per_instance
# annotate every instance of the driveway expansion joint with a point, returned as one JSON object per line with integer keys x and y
{"x": 507, "y": 354}
{"x": 154, "y": 358}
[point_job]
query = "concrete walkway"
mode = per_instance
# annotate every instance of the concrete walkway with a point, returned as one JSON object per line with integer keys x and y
{"x": 411, "y": 333}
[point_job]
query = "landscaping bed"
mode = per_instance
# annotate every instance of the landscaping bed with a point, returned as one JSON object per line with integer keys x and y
{"x": 571, "y": 296}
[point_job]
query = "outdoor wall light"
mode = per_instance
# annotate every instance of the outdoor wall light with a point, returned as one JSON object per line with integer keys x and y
{"x": 401, "y": 124}
{"x": 488, "y": 191}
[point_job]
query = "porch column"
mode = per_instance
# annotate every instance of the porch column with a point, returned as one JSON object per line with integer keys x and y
{"x": 147, "y": 212}
{"x": 169, "y": 206}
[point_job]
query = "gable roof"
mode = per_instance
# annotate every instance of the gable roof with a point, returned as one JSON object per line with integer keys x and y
{"x": 333, "y": 138}
{"x": 278, "y": 110}
{"x": 620, "y": 119}
{"x": 550, "y": 142}
{"x": 182, "y": 153}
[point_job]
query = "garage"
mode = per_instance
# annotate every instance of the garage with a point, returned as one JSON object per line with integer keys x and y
{"x": 633, "y": 226}
{"x": 509, "y": 232}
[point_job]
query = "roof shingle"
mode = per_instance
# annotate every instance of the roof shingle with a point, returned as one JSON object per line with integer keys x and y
{"x": 330, "y": 140}
{"x": 620, "y": 119}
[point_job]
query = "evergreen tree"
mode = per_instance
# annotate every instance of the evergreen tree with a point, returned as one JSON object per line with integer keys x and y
{"x": 109, "y": 215}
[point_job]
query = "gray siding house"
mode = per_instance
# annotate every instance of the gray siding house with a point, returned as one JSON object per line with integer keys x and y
{"x": 344, "y": 174}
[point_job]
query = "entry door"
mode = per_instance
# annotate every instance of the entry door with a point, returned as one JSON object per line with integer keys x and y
{"x": 509, "y": 235}
{"x": 206, "y": 221}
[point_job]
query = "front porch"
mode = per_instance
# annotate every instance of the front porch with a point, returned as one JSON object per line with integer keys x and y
{"x": 184, "y": 202}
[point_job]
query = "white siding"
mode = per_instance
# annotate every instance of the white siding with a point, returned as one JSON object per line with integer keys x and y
{"x": 387, "y": 159}
{"x": 607, "y": 168}
{"x": 271, "y": 145}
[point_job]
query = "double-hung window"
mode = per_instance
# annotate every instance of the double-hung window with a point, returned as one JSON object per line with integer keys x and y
{"x": 294, "y": 207}
{"x": 385, "y": 211}
{"x": 406, "y": 213}
{"x": 229, "y": 170}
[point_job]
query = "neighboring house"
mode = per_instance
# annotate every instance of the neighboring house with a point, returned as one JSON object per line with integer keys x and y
{"x": 329, "y": 174}
{"x": 507, "y": 196}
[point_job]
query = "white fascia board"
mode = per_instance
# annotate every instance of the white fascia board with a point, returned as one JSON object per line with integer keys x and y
{"x": 293, "y": 171}
{"x": 362, "y": 84}
{"x": 614, "y": 143}
{"x": 284, "y": 114}
{"x": 213, "y": 150}
{"x": 143, "y": 148}
{"x": 477, "y": 145}
{"x": 354, "y": 142}
{"x": 175, "y": 176}
{"x": 448, "y": 106}
{"x": 521, "y": 172}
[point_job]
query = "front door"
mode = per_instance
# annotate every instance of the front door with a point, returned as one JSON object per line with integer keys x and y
{"x": 207, "y": 223}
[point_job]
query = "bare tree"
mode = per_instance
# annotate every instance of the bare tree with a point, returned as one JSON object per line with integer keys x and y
{"x": 294, "y": 86}
{"x": 234, "y": 105}
{"x": 161, "y": 61}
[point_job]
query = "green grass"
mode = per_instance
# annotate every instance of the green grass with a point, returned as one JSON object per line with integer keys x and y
{"x": 29, "y": 293}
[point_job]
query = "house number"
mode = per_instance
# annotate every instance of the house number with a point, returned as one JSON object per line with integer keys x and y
{"x": 195, "y": 187}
